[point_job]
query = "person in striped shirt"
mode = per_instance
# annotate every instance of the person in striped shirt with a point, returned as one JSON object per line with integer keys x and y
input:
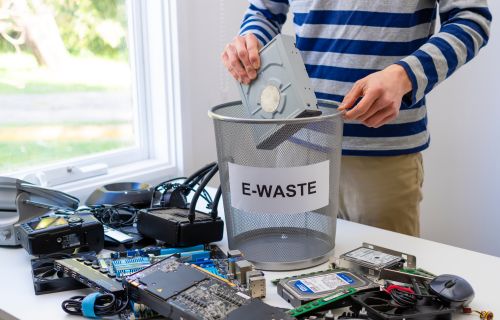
{"x": 379, "y": 59}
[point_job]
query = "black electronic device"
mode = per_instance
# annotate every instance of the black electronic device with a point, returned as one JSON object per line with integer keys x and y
{"x": 46, "y": 279}
{"x": 57, "y": 232}
{"x": 180, "y": 291}
{"x": 453, "y": 290}
{"x": 89, "y": 273}
{"x": 134, "y": 194}
{"x": 181, "y": 227}
{"x": 379, "y": 305}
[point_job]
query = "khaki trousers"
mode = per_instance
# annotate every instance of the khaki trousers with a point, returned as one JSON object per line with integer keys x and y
{"x": 383, "y": 192}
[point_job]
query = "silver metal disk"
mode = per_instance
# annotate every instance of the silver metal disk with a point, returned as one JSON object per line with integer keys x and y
{"x": 270, "y": 98}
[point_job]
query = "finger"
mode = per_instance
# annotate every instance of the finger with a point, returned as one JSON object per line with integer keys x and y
{"x": 381, "y": 117}
{"x": 225, "y": 60}
{"x": 253, "y": 45}
{"x": 235, "y": 63}
{"x": 386, "y": 120}
{"x": 378, "y": 105}
{"x": 363, "y": 106}
{"x": 241, "y": 49}
{"x": 351, "y": 97}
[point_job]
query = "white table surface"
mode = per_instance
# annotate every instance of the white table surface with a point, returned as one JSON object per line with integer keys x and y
{"x": 17, "y": 296}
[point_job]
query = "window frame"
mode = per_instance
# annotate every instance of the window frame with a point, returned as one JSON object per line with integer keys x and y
{"x": 153, "y": 56}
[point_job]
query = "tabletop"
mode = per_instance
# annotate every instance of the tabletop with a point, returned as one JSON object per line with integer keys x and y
{"x": 17, "y": 296}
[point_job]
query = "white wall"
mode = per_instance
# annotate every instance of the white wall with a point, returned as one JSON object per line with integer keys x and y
{"x": 205, "y": 27}
{"x": 462, "y": 166}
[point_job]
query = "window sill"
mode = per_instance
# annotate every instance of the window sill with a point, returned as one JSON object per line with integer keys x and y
{"x": 148, "y": 171}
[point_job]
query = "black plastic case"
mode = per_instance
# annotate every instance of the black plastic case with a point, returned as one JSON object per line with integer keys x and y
{"x": 172, "y": 226}
{"x": 83, "y": 231}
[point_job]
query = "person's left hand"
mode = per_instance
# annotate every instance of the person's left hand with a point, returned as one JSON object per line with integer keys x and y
{"x": 381, "y": 94}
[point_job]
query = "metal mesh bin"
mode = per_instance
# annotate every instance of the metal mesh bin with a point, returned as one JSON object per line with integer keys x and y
{"x": 283, "y": 235}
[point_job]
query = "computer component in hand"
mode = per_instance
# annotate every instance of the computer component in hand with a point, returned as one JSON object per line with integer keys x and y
{"x": 14, "y": 207}
{"x": 301, "y": 289}
{"x": 282, "y": 90}
{"x": 181, "y": 227}
{"x": 135, "y": 194}
{"x": 371, "y": 259}
{"x": 61, "y": 231}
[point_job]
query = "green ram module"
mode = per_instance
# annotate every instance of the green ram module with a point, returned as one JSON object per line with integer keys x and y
{"x": 320, "y": 303}
{"x": 418, "y": 271}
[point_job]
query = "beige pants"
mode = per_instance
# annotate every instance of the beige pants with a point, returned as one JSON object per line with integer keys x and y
{"x": 383, "y": 192}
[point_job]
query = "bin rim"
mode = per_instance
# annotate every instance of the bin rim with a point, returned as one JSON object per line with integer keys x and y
{"x": 332, "y": 104}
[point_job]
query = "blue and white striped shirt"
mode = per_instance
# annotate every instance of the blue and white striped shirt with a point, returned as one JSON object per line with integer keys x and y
{"x": 342, "y": 41}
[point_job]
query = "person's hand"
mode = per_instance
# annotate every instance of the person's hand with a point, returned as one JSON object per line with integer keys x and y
{"x": 241, "y": 57}
{"x": 381, "y": 94}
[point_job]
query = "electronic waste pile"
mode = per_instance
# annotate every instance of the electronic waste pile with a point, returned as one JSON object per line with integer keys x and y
{"x": 139, "y": 277}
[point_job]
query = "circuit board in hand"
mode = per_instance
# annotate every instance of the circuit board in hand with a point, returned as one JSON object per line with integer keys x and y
{"x": 181, "y": 291}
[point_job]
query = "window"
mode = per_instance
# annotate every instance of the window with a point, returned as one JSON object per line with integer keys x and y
{"x": 79, "y": 95}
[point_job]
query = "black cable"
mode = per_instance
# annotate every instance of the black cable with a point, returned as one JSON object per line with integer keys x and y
{"x": 173, "y": 186}
{"x": 214, "y": 213}
{"x": 198, "y": 175}
{"x": 198, "y": 192}
{"x": 115, "y": 216}
{"x": 403, "y": 298}
{"x": 407, "y": 299}
{"x": 187, "y": 186}
{"x": 105, "y": 305}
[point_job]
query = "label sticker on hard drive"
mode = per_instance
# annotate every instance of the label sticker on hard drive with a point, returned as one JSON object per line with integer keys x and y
{"x": 323, "y": 283}
{"x": 280, "y": 190}
{"x": 375, "y": 258}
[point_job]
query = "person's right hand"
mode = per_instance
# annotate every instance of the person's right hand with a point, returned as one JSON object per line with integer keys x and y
{"x": 241, "y": 57}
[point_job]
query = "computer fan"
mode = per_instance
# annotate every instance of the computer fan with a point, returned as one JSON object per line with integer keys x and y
{"x": 380, "y": 305}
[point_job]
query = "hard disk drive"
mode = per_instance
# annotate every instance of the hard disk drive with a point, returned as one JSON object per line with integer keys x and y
{"x": 282, "y": 90}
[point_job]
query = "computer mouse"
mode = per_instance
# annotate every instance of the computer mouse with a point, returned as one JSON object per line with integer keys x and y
{"x": 453, "y": 290}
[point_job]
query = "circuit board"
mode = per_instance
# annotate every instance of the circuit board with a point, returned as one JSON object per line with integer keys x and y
{"x": 210, "y": 258}
{"x": 181, "y": 291}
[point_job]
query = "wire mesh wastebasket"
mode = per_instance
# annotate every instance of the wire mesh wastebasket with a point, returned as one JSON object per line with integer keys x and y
{"x": 280, "y": 184}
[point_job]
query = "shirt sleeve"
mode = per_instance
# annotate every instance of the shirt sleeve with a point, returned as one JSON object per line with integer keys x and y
{"x": 264, "y": 18}
{"x": 465, "y": 28}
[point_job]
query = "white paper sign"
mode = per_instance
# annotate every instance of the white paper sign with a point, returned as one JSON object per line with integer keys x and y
{"x": 280, "y": 190}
